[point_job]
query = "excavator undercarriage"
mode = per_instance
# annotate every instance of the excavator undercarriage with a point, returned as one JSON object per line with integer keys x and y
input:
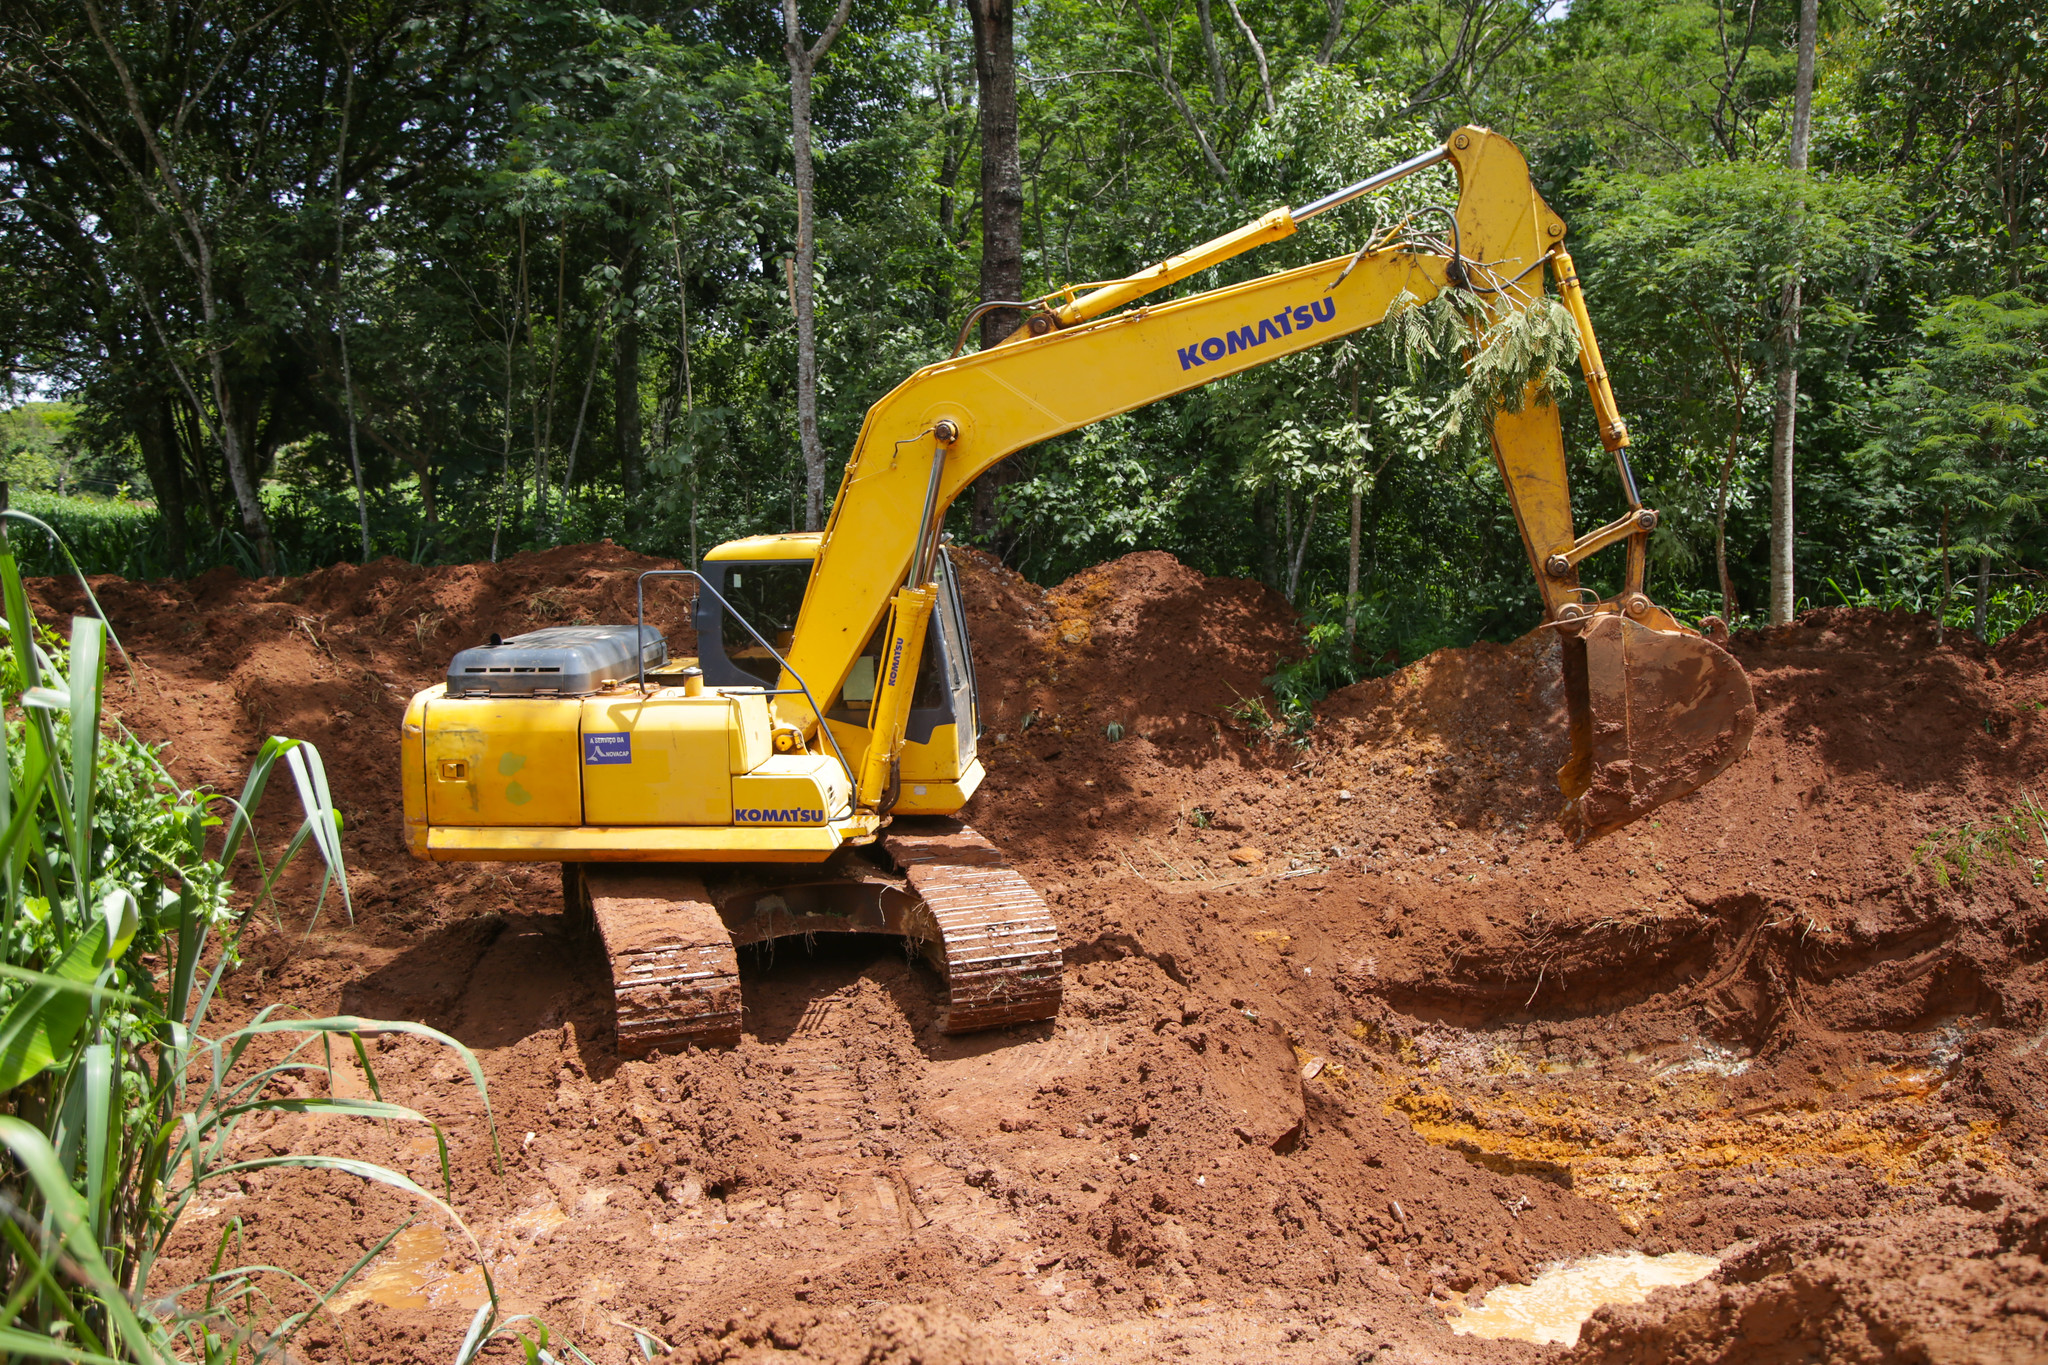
{"x": 672, "y": 932}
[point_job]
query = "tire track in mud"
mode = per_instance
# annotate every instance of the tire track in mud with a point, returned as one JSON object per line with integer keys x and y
{"x": 846, "y": 1117}
{"x": 831, "y": 1116}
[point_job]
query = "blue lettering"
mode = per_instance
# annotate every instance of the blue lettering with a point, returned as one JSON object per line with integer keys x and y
{"x": 895, "y": 660}
{"x": 759, "y": 815}
{"x": 1284, "y": 323}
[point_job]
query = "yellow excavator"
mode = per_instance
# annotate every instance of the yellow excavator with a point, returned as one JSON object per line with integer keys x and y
{"x": 801, "y": 773}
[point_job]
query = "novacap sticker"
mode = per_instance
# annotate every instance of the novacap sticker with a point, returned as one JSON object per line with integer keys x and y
{"x": 607, "y": 749}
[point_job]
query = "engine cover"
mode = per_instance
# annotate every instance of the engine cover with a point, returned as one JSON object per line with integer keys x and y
{"x": 560, "y": 661}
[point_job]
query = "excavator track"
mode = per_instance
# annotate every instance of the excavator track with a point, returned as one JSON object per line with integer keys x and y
{"x": 670, "y": 931}
{"x": 1000, "y": 945}
{"x": 675, "y": 974}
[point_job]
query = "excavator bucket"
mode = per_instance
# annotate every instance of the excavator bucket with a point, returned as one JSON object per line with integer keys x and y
{"x": 1654, "y": 715}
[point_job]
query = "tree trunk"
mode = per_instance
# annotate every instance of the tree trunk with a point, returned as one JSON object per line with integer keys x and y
{"x": 1272, "y": 538}
{"x": 1209, "y": 50}
{"x": 1002, "y": 211}
{"x": 498, "y": 495}
{"x": 626, "y": 414}
{"x": 1162, "y": 72}
{"x": 1351, "y": 577}
{"x": 626, "y": 427}
{"x": 803, "y": 64}
{"x": 1785, "y": 414}
{"x": 192, "y": 438}
{"x": 348, "y": 383}
{"x": 187, "y": 231}
{"x": 576, "y": 439}
{"x": 234, "y": 452}
{"x": 1300, "y": 550}
{"x": 1947, "y": 584}
{"x": 164, "y": 468}
{"x": 1981, "y": 617}
{"x": 1258, "y": 55}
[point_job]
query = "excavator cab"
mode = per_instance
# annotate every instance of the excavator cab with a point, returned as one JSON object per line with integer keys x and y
{"x": 765, "y": 578}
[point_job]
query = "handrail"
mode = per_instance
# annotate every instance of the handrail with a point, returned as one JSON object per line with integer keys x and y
{"x": 640, "y": 620}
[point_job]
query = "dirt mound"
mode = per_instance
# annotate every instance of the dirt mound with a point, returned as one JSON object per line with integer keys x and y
{"x": 1142, "y": 642}
{"x": 1961, "y": 1284}
{"x": 1351, "y": 1031}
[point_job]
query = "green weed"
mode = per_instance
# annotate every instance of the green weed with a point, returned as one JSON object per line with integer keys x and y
{"x": 1960, "y": 854}
{"x": 1250, "y": 713}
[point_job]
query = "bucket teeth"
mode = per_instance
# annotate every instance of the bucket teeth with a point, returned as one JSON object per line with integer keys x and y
{"x": 996, "y": 942}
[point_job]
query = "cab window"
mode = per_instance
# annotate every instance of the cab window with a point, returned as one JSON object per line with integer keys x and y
{"x": 769, "y": 595}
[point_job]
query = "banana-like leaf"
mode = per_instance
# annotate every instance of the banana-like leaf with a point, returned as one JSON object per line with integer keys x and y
{"x": 354, "y": 1024}
{"x": 309, "y": 774}
{"x": 100, "y": 1079}
{"x": 14, "y": 571}
{"x": 88, "y": 638}
{"x": 41, "y": 1025}
{"x": 89, "y": 988}
{"x": 16, "y": 1344}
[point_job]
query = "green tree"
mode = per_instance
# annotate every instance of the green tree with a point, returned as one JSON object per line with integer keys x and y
{"x": 1687, "y": 273}
{"x": 1961, "y": 425}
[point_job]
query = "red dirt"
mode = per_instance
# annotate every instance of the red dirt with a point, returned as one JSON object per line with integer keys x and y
{"x": 1351, "y": 1031}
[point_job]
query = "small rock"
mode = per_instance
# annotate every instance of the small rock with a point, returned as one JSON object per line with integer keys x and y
{"x": 1246, "y": 856}
{"x": 1344, "y": 794}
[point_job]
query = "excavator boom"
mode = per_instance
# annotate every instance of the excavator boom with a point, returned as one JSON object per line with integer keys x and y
{"x": 1670, "y": 708}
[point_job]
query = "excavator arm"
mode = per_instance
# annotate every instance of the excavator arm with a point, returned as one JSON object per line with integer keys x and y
{"x": 1655, "y": 709}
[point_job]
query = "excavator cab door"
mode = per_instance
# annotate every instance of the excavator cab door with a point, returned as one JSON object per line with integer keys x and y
{"x": 943, "y": 722}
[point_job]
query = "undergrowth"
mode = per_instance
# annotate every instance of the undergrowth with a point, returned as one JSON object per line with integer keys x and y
{"x": 119, "y": 1107}
{"x": 1959, "y": 854}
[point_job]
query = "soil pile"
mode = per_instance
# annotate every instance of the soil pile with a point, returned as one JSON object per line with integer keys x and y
{"x": 1351, "y": 1031}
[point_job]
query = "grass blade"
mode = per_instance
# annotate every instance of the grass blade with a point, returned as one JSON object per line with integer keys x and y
{"x": 67, "y": 1214}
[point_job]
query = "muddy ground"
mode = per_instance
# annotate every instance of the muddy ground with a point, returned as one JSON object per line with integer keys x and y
{"x": 1351, "y": 1032}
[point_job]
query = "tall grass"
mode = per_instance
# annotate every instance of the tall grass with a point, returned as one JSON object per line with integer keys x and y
{"x": 106, "y": 534}
{"x": 312, "y": 528}
{"x": 117, "y": 1105}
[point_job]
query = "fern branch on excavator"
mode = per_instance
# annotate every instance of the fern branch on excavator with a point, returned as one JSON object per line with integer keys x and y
{"x": 800, "y": 774}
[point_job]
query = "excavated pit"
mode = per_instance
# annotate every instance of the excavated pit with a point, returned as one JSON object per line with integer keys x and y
{"x": 1352, "y": 1034}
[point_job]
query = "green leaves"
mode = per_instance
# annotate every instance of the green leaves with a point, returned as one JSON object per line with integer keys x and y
{"x": 42, "y": 1024}
{"x": 1960, "y": 421}
{"x": 104, "y": 857}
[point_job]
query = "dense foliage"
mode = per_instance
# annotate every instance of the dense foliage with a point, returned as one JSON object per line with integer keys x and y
{"x": 522, "y": 272}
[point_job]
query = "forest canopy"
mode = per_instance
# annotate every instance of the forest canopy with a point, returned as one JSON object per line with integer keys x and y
{"x": 452, "y": 278}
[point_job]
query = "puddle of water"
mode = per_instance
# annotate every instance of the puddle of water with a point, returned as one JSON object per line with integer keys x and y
{"x": 1551, "y": 1310}
{"x": 410, "y": 1275}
